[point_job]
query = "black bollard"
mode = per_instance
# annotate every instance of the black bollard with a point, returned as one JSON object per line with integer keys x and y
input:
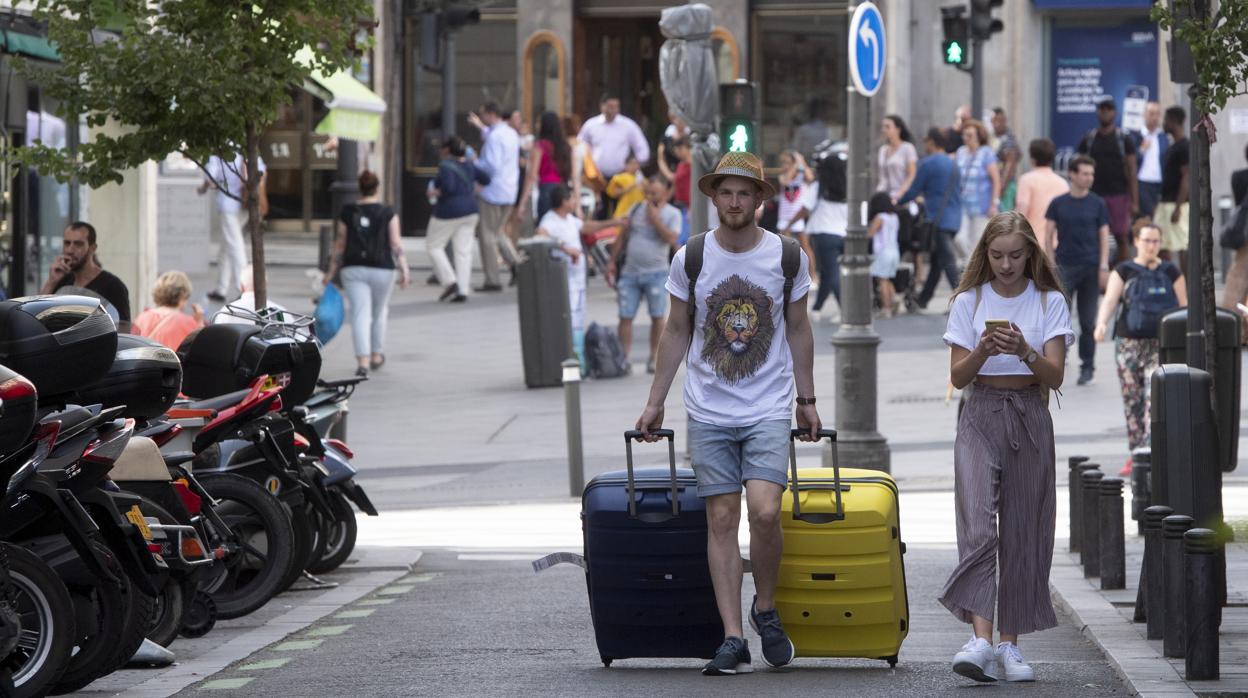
{"x": 1200, "y": 554}
{"x": 1112, "y": 544}
{"x": 1175, "y": 635}
{"x": 1141, "y": 485}
{"x": 1077, "y": 469}
{"x": 1090, "y": 541}
{"x": 1152, "y": 574}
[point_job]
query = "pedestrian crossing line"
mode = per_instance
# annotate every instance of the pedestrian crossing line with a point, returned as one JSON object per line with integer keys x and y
{"x": 359, "y": 613}
{"x": 225, "y": 684}
{"x": 265, "y": 664}
{"x": 420, "y": 577}
{"x": 376, "y": 602}
{"x": 296, "y": 645}
{"x": 396, "y": 589}
{"x": 329, "y": 630}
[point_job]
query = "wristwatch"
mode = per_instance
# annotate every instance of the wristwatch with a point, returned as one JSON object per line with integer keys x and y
{"x": 1031, "y": 357}
{"x": 805, "y": 400}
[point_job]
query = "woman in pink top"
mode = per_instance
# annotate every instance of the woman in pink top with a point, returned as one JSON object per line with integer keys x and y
{"x": 166, "y": 323}
{"x": 1039, "y": 186}
{"x": 550, "y": 164}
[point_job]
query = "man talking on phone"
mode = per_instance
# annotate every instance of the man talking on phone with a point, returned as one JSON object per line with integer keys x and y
{"x": 78, "y": 266}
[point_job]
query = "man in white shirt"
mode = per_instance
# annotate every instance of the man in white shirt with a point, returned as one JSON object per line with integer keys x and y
{"x": 739, "y": 388}
{"x": 1153, "y": 142}
{"x": 230, "y": 181}
{"x": 611, "y": 137}
{"x": 500, "y": 158}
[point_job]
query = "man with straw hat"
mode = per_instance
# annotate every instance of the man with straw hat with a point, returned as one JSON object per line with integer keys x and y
{"x": 738, "y": 317}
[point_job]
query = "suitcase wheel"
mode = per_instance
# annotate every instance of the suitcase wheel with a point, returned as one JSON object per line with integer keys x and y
{"x": 606, "y": 662}
{"x": 892, "y": 661}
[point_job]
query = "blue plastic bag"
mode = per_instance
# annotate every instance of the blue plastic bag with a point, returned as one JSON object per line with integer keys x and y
{"x": 329, "y": 314}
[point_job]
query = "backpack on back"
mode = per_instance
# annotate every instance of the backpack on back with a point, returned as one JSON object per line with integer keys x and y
{"x": 1148, "y": 295}
{"x": 604, "y": 355}
{"x": 372, "y": 247}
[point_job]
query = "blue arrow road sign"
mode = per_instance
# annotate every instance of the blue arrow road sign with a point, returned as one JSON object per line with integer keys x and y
{"x": 866, "y": 49}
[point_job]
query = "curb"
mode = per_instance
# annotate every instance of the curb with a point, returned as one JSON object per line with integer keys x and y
{"x": 1140, "y": 666}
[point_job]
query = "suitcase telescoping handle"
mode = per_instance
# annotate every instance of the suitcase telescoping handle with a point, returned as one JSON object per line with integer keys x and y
{"x": 668, "y": 434}
{"x": 839, "y": 514}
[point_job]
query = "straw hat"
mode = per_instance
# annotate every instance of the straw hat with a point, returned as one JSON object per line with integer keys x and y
{"x": 736, "y": 164}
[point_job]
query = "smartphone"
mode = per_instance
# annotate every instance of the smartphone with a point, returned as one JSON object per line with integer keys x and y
{"x": 994, "y": 325}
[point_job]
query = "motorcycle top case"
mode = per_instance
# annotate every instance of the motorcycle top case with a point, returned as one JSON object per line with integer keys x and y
{"x": 17, "y": 410}
{"x": 146, "y": 377}
{"x": 650, "y": 591}
{"x": 842, "y": 586}
{"x": 59, "y": 343}
{"x": 220, "y": 359}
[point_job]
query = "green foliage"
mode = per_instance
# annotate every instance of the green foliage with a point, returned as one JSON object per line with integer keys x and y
{"x": 190, "y": 76}
{"x": 1219, "y": 46}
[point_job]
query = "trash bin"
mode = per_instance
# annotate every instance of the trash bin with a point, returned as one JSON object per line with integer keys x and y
{"x": 545, "y": 317}
{"x": 1185, "y": 475}
{"x": 1173, "y": 334}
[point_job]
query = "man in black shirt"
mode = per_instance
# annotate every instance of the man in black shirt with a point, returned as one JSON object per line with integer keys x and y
{"x": 1171, "y": 213}
{"x": 78, "y": 266}
{"x": 1116, "y": 172}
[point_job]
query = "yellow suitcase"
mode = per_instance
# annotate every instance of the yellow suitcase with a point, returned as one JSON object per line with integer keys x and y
{"x": 842, "y": 587}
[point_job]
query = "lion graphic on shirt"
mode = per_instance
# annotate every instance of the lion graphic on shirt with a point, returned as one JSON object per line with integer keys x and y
{"x": 738, "y": 331}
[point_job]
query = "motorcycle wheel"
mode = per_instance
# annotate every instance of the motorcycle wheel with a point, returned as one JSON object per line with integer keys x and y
{"x": 303, "y": 521}
{"x": 251, "y": 575}
{"x": 175, "y": 596}
{"x": 48, "y": 627}
{"x": 339, "y": 534}
{"x": 122, "y": 615}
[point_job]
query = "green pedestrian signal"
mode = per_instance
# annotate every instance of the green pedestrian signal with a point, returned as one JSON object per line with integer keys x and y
{"x": 954, "y": 53}
{"x": 737, "y": 136}
{"x": 739, "y": 140}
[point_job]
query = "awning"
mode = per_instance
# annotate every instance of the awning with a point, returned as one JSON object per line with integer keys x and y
{"x": 354, "y": 110}
{"x": 28, "y": 45}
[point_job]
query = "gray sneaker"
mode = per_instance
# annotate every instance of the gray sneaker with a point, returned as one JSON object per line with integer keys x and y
{"x": 732, "y": 657}
{"x": 777, "y": 647}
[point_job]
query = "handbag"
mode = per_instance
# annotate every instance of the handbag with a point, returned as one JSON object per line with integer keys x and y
{"x": 927, "y": 227}
{"x": 591, "y": 176}
{"x": 329, "y": 314}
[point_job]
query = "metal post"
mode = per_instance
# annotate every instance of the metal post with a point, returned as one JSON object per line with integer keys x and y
{"x": 1072, "y": 489}
{"x": 1141, "y": 484}
{"x": 697, "y": 200}
{"x": 858, "y": 438}
{"x": 1175, "y": 636}
{"x": 572, "y": 410}
{"x": 344, "y": 190}
{"x": 1090, "y": 544}
{"x": 448, "y": 87}
{"x": 1152, "y": 573}
{"x": 1113, "y": 545}
{"x": 1203, "y": 611}
{"x": 1225, "y": 206}
{"x": 977, "y": 78}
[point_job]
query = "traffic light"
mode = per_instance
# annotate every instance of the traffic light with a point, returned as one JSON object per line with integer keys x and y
{"x": 737, "y": 128}
{"x": 955, "y": 49}
{"x": 983, "y": 25}
{"x": 434, "y": 25}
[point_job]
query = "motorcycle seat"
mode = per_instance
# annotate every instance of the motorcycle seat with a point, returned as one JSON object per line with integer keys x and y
{"x": 219, "y": 402}
{"x": 70, "y": 417}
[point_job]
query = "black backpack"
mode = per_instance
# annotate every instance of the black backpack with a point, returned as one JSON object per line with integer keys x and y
{"x": 366, "y": 246}
{"x": 604, "y": 355}
{"x": 790, "y": 263}
{"x": 1147, "y": 296}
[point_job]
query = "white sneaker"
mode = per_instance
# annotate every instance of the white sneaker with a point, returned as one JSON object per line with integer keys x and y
{"x": 1010, "y": 659}
{"x": 976, "y": 661}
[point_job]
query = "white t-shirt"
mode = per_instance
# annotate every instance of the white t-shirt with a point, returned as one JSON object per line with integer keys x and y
{"x": 826, "y": 217}
{"x": 746, "y": 376}
{"x": 793, "y": 198}
{"x": 1039, "y": 322}
{"x": 230, "y": 178}
{"x": 567, "y": 231}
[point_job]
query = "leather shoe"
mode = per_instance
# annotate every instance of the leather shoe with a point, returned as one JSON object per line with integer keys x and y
{"x": 491, "y": 288}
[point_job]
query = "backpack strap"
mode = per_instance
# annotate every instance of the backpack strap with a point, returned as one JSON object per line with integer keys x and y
{"x": 790, "y": 264}
{"x": 693, "y": 269}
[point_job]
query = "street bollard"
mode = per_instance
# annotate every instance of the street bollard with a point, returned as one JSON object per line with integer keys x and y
{"x": 1152, "y": 572}
{"x": 1076, "y": 502}
{"x": 1175, "y": 635}
{"x": 1204, "y": 611}
{"x": 1141, "y": 485}
{"x": 1090, "y": 541}
{"x": 1112, "y": 537}
{"x": 1072, "y": 489}
{"x": 572, "y": 410}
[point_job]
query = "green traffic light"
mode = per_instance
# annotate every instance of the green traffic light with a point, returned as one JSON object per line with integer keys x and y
{"x": 953, "y": 52}
{"x": 739, "y": 140}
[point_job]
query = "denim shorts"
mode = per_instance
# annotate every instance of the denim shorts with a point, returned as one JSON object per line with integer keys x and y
{"x": 725, "y": 457}
{"x": 630, "y": 288}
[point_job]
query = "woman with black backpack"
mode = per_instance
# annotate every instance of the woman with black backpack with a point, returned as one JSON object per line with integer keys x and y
{"x": 1144, "y": 288}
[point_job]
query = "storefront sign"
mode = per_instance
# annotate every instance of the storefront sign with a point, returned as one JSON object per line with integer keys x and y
{"x": 1091, "y": 63}
{"x": 283, "y": 150}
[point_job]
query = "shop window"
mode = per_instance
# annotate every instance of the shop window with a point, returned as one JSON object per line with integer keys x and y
{"x": 544, "y": 83}
{"x": 727, "y": 54}
{"x": 802, "y": 79}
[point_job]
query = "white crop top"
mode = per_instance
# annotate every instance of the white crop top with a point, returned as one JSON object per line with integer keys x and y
{"x": 1039, "y": 321}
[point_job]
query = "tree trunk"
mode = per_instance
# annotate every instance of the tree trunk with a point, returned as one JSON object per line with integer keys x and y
{"x": 254, "y": 224}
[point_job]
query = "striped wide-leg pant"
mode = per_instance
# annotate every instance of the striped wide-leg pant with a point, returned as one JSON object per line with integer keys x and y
{"x": 1005, "y": 495}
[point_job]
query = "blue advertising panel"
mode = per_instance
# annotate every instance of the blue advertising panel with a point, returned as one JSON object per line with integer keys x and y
{"x": 1090, "y": 63}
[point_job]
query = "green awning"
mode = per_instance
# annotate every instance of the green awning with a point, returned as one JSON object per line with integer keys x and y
{"x": 354, "y": 110}
{"x": 28, "y": 45}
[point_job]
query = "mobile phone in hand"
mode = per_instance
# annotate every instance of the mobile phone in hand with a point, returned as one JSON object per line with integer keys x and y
{"x": 994, "y": 325}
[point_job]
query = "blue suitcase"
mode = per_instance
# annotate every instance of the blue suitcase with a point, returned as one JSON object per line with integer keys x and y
{"x": 650, "y": 591}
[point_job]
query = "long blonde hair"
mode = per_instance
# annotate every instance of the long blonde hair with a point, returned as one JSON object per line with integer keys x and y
{"x": 1039, "y": 269}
